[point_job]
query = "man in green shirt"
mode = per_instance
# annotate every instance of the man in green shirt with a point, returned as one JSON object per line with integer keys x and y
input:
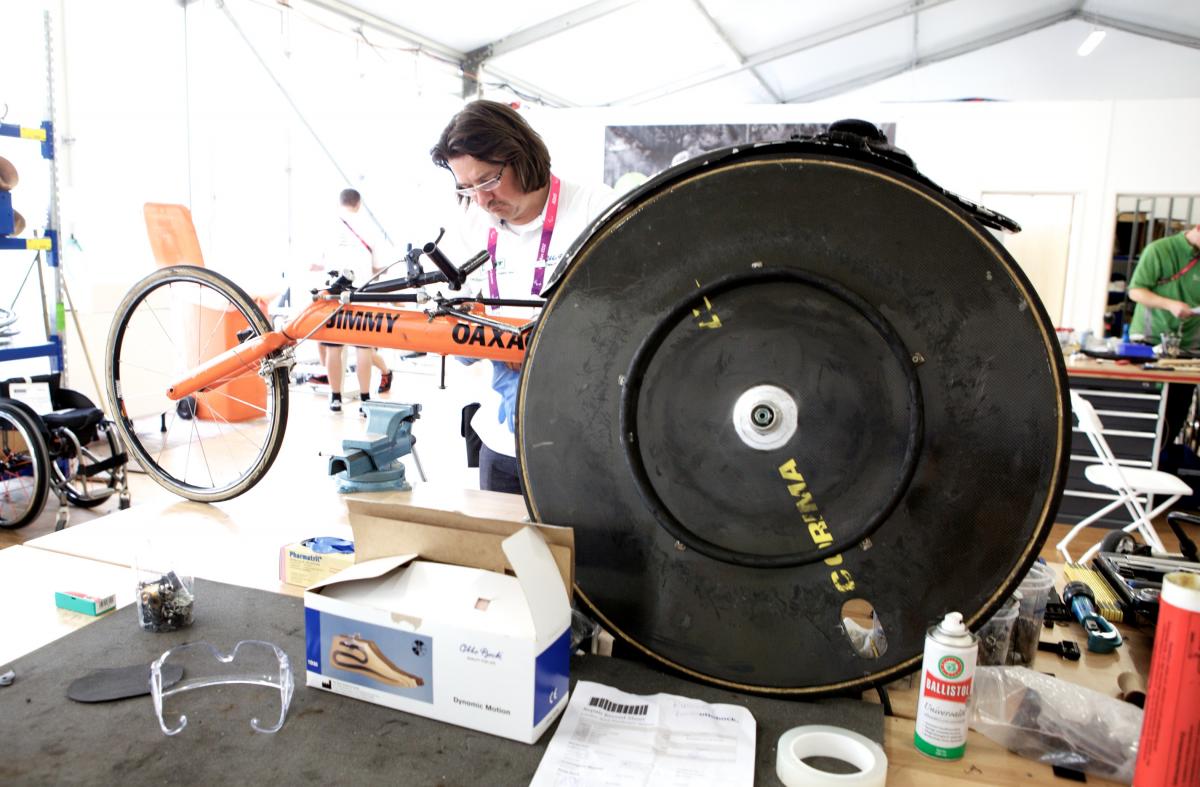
{"x": 1166, "y": 288}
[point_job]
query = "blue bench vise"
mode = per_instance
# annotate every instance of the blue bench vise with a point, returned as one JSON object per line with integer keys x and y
{"x": 371, "y": 463}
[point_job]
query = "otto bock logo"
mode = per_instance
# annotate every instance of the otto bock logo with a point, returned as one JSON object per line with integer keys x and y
{"x": 951, "y": 667}
{"x": 476, "y": 652}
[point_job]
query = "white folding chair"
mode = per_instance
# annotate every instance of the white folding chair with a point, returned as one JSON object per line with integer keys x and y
{"x": 1133, "y": 485}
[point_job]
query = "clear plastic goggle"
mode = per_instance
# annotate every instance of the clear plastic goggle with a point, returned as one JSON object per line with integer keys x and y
{"x": 252, "y": 663}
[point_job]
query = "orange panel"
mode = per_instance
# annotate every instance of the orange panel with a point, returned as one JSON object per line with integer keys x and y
{"x": 242, "y": 399}
{"x": 172, "y": 235}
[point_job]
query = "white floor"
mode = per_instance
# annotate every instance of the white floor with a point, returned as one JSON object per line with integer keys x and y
{"x": 314, "y": 433}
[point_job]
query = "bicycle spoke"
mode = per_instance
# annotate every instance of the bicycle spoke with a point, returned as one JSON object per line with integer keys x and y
{"x": 165, "y": 332}
{"x": 218, "y": 392}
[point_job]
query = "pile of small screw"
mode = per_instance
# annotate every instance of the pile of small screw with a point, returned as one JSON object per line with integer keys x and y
{"x": 164, "y": 604}
{"x": 1026, "y": 633}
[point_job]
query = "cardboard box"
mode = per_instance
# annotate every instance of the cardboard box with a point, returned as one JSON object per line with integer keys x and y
{"x": 302, "y": 566}
{"x": 83, "y": 602}
{"x": 429, "y": 622}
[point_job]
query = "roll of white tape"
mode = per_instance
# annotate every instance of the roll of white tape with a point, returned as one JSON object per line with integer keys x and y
{"x": 822, "y": 740}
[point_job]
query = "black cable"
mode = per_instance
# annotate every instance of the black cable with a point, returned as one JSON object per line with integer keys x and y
{"x": 885, "y": 700}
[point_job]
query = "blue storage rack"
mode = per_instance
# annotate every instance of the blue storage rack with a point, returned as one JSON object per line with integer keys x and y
{"x": 48, "y": 243}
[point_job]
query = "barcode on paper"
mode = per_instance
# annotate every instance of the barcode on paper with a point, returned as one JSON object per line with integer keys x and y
{"x": 613, "y": 707}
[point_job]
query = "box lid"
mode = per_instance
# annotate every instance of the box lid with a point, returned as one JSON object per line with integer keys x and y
{"x": 383, "y": 528}
{"x": 370, "y": 569}
{"x": 387, "y": 535}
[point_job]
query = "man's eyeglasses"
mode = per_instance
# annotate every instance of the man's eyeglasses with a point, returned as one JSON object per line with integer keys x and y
{"x": 488, "y": 185}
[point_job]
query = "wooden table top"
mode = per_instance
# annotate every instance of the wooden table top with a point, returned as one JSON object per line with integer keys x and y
{"x": 1185, "y": 370}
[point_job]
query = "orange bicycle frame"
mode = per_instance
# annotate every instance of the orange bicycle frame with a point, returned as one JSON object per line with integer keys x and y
{"x": 381, "y": 325}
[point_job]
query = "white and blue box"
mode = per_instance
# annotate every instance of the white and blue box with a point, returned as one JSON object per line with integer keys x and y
{"x": 456, "y": 618}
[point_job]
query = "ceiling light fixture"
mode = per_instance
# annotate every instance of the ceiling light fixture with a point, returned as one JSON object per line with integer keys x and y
{"x": 1091, "y": 42}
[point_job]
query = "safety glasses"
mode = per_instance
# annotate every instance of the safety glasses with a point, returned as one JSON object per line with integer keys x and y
{"x": 258, "y": 665}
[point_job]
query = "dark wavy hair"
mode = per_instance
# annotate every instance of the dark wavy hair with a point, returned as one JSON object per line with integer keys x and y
{"x": 494, "y": 132}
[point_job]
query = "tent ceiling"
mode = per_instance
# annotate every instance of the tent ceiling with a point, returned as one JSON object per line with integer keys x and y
{"x": 630, "y": 52}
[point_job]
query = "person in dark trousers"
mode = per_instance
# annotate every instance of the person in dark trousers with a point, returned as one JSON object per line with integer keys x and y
{"x": 1166, "y": 288}
{"x": 527, "y": 217}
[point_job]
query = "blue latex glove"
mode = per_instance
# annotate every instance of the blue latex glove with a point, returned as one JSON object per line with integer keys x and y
{"x": 504, "y": 382}
{"x": 324, "y": 545}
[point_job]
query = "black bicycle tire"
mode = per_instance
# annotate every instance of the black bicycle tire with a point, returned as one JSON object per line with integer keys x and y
{"x": 31, "y": 432}
{"x": 253, "y": 315}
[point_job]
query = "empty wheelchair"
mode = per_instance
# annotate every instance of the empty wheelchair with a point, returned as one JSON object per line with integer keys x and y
{"x": 73, "y": 452}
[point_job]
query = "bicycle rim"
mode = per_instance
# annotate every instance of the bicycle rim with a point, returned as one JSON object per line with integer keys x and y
{"x": 218, "y": 444}
{"x": 23, "y": 460}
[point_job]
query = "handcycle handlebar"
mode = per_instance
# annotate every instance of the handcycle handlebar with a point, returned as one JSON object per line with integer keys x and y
{"x": 447, "y": 272}
{"x": 473, "y": 264}
{"x": 453, "y": 276}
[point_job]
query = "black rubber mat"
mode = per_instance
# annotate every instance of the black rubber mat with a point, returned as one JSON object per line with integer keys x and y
{"x": 326, "y": 739}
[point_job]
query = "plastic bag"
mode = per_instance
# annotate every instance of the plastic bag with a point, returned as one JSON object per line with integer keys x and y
{"x": 1056, "y": 722}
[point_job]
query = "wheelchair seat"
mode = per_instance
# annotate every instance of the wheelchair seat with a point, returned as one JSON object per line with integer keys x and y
{"x": 80, "y": 421}
{"x": 72, "y": 410}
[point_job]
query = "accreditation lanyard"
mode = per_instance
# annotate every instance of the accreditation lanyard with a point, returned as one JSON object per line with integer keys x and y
{"x": 539, "y": 273}
{"x": 360, "y": 237}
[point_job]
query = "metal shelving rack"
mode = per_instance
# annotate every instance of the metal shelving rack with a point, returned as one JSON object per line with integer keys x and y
{"x": 48, "y": 242}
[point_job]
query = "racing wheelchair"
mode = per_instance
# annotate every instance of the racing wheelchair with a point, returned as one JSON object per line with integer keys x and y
{"x": 73, "y": 452}
{"x": 770, "y": 384}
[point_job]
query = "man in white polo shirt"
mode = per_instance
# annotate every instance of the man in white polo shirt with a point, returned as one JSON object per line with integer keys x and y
{"x": 527, "y": 218}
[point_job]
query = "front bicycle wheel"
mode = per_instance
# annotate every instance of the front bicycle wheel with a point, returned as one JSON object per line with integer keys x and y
{"x": 24, "y": 467}
{"x": 225, "y": 441}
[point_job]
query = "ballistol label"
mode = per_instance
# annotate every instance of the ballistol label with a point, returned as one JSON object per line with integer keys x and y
{"x": 948, "y": 670}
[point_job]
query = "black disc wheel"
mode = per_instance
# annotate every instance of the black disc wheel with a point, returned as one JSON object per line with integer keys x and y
{"x": 24, "y": 466}
{"x": 797, "y": 405}
{"x": 168, "y": 323}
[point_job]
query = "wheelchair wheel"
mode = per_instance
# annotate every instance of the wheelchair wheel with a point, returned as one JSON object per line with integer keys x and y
{"x": 169, "y": 322}
{"x": 23, "y": 467}
{"x": 73, "y": 469}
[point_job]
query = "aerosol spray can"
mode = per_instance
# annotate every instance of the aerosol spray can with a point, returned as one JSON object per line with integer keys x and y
{"x": 946, "y": 675}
